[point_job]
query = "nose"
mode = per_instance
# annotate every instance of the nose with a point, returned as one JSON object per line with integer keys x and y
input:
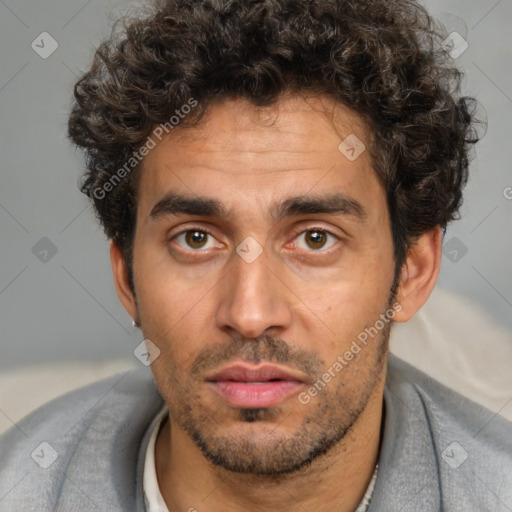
{"x": 253, "y": 298}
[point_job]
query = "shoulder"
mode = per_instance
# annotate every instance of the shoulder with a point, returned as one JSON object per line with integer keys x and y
{"x": 80, "y": 408}
{"x": 94, "y": 431}
{"x": 444, "y": 407}
{"x": 457, "y": 451}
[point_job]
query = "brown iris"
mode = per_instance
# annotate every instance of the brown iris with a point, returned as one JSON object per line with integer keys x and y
{"x": 196, "y": 239}
{"x": 315, "y": 239}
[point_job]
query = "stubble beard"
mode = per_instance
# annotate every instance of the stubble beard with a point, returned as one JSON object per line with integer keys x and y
{"x": 257, "y": 450}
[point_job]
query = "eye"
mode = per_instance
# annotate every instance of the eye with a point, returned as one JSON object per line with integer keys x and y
{"x": 316, "y": 239}
{"x": 194, "y": 239}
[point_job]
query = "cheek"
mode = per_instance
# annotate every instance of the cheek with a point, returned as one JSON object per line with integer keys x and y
{"x": 173, "y": 307}
{"x": 167, "y": 291}
{"x": 359, "y": 283}
{"x": 337, "y": 308}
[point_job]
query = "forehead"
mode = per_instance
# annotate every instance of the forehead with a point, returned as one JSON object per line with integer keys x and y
{"x": 242, "y": 153}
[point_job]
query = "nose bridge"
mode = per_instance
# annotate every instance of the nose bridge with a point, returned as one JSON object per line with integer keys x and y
{"x": 253, "y": 299}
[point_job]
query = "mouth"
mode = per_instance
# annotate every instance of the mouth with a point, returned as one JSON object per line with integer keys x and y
{"x": 250, "y": 386}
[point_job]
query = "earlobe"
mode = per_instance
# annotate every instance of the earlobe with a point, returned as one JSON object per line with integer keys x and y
{"x": 120, "y": 275}
{"x": 419, "y": 273}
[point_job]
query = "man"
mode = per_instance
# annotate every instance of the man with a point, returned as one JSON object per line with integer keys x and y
{"x": 274, "y": 177}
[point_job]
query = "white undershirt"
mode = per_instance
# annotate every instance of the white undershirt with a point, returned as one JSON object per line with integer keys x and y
{"x": 153, "y": 497}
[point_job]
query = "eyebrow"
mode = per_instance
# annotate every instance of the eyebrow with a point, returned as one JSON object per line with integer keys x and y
{"x": 336, "y": 203}
{"x": 177, "y": 204}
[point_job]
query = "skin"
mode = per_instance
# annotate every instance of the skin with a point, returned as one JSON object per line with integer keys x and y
{"x": 299, "y": 304}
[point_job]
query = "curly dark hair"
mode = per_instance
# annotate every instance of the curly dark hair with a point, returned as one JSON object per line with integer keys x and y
{"x": 382, "y": 58}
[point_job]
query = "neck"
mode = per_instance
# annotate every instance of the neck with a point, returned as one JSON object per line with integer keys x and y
{"x": 335, "y": 481}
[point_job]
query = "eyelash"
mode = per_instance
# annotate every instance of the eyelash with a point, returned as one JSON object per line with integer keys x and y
{"x": 319, "y": 230}
{"x": 295, "y": 235}
{"x": 201, "y": 230}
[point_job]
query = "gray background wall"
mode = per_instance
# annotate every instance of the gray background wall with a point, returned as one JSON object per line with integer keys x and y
{"x": 61, "y": 304}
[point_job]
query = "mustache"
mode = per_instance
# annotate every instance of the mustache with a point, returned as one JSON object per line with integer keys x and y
{"x": 263, "y": 348}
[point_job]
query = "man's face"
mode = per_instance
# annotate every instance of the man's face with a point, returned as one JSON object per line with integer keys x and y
{"x": 253, "y": 301}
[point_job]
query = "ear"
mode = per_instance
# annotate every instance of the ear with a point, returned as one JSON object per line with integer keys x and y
{"x": 419, "y": 273}
{"x": 120, "y": 274}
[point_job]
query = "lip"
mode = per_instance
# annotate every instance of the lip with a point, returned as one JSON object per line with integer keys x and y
{"x": 250, "y": 386}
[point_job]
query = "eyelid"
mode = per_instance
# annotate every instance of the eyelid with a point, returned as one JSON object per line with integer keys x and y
{"x": 300, "y": 230}
{"x": 201, "y": 229}
{"x": 296, "y": 232}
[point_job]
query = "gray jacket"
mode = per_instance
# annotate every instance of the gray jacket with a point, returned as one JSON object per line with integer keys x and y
{"x": 85, "y": 451}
